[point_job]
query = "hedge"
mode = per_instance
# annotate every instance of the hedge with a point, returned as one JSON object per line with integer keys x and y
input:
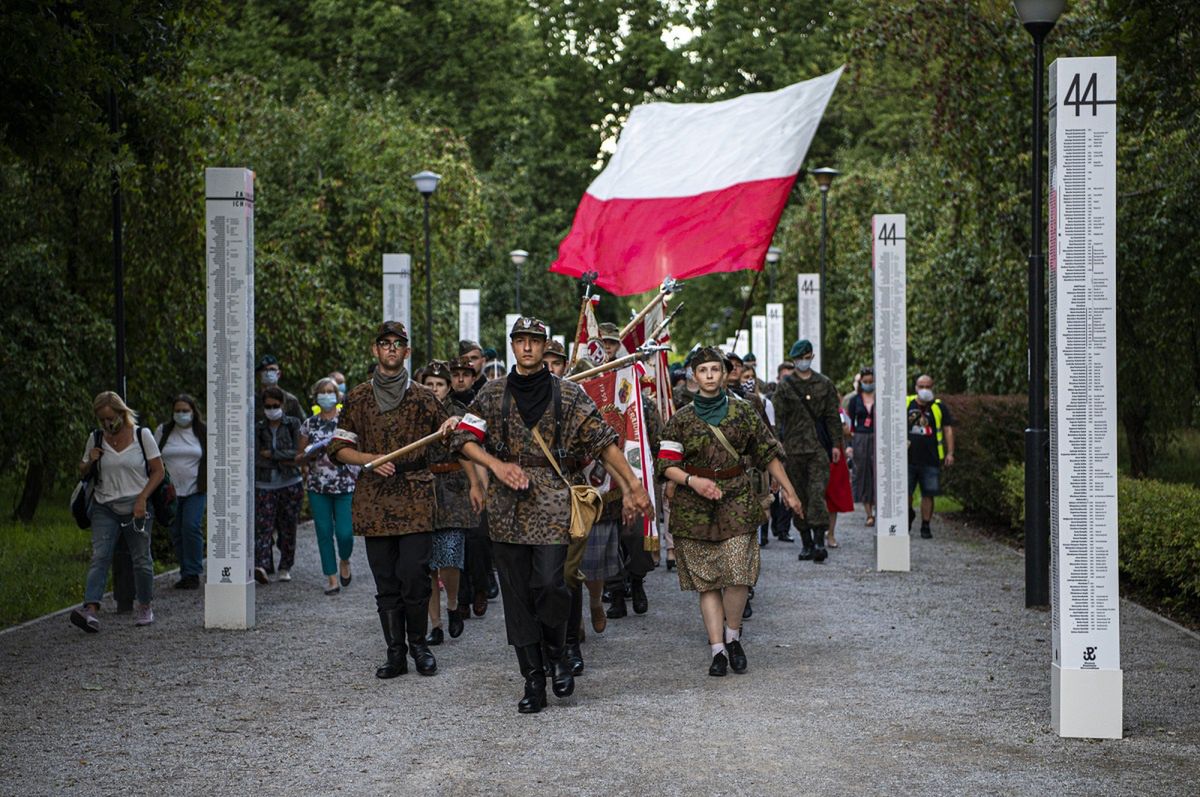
{"x": 1158, "y": 548}
{"x": 989, "y": 433}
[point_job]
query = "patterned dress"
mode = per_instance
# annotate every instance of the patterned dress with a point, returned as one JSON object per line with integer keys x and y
{"x": 540, "y": 515}
{"x": 715, "y": 544}
{"x": 452, "y": 489}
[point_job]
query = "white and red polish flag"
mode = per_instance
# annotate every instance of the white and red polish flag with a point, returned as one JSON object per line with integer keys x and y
{"x": 694, "y": 188}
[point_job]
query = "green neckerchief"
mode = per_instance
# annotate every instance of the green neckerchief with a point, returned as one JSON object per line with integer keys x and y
{"x": 712, "y": 410}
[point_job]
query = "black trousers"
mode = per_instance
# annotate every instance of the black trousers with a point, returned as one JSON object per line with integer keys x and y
{"x": 636, "y": 561}
{"x": 533, "y": 589}
{"x": 781, "y": 517}
{"x": 575, "y": 618}
{"x": 400, "y": 565}
{"x": 477, "y": 564}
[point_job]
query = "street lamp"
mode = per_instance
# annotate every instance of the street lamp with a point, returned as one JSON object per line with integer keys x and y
{"x": 519, "y": 256}
{"x": 824, "y": 177}
{"x": 773, "y": 255}
{"x": 427, "y": 183}
{"x": 1039, "y": 18}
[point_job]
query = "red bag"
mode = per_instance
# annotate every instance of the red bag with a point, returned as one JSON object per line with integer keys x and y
{"x": 838, "y": 496}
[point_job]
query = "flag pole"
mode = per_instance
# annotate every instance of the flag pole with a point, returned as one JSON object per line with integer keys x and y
{"x": 589, "y": 279}
{"x": 669, "y": 286}
{"x": 746, "y": 308}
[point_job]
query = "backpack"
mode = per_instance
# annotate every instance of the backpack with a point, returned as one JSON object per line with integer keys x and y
{"x": 82, "y": 497}
{"x": 164, "y": 501}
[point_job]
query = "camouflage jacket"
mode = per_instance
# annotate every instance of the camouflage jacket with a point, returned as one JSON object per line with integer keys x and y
{"x": 452, "y": 488}
{"x": 402, "y": 503}
{"x": 540, "y": 515}
{"x": 688, "y": 442}
{"x": 797, "y": 402}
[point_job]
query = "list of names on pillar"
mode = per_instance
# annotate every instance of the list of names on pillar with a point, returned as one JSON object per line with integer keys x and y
{"x": 468, "y": 314}
{"x": 1083, "y": 394}
{"x": 775, "y": 350}
{"x": 229, "y": 211}
{"x": 808, "y": 313}
{"x": 891, "y": 377}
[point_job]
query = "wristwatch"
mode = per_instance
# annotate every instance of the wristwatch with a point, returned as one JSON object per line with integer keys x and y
{"x": 688, "y": 481}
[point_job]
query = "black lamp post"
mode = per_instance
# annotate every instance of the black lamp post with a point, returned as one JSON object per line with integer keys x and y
{"x": 824, "y": 177}
{"x": 519, "y": 256}
{"x": 427, "y": 183}
{"x": 1038, "y": 17}
{"x": 773, "y": 255}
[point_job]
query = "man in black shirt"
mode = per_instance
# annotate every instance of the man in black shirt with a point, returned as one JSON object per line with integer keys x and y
{"x": 930, "y": 444}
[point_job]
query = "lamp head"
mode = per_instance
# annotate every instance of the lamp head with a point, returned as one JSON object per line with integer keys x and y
{"x": 773, "y": 254}
{"x": 426, "y": 182}
{"x": 1039, "y": 16}
{"x": 824, "y": 176}
{"x": 519, "y": 256}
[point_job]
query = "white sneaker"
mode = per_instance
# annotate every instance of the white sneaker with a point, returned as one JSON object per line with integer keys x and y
{"x": 285, "y": 575}
{"x": 143, "y": 614}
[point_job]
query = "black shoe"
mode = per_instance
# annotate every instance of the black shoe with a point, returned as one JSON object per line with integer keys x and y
{"x": 530, "y": 660}
{"x": 456, "y": 624}
{"x": 719, "y": 666}
{"x": 493, "y": 588}
{"x": 392, "y": 621}
{"x": 747, "y": 612}
{"x": 806, "y": 540}
{"x": 562, "y": 681}
{"x": 819, "y": 552}
{"x": 670, "y": 564}
{"x": 617, "y": 610}
{"x": 750, "y": 593}
{"x": 926, "y": 534}
{"x": 435, "y": 636}
{"x": 422, "y": 657}
{"x": 737, "y": 657}
{"x": 575, "y": 658}
{"x": 605, "y": 596}
{"x": 345, "y": 579}
{"x": 785, "y": 537}
{"x": 188, "y": 582}
{"x": 640, "y": 604}
{"x": 806, "y": 553}
{"x": 764, "y": 538}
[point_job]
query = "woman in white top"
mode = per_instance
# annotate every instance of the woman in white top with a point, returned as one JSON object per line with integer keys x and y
{"x": 129, "y": 470}
{"x": 184, "y": 445}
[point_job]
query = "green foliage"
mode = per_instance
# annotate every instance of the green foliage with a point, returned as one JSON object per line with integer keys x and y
{"x": 988, "y": 434}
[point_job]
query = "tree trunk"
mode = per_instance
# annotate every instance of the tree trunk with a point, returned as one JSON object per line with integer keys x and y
{"x": 1141, "y": 443}
{"x": 31, "y": 493}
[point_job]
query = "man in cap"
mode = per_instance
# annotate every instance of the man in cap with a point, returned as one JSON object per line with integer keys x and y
{"x": 269, "y": 372}
{"x": 462, "y": 379}
{"x": 473, "y": 353}
{"x": 750, "y": 371}
{"x": 393, "y": 506}
{"x": 806, "y": 407}
{"x": 529, "y": 507}
{"x": 556, "y": 358}
{"x": 610, "y": 338}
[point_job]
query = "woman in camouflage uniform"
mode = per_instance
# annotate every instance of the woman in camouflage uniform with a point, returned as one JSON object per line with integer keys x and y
{"x": 715, "y": 512}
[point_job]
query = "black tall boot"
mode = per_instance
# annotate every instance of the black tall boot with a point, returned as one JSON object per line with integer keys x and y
{"x": 763, "y": 536}
{"x": 806, "y": 544}
{"x": 641, "y": 604}
{"x": 392, "y": 621}
{"x": 617, "y": 608}
{"x": 818, "y": 538}
{"x": 561, "y": 680}
{"x": 529, "y": 658}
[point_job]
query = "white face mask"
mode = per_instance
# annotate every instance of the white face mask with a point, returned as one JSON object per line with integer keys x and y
{"x": 803, "y": 365}
{"x": 274, "y": 414}
{"x": 183, "y": 419}
{"x": 925, "y": 395}
{"x": 270, "y": 377}
{"x": 327, "y": 401}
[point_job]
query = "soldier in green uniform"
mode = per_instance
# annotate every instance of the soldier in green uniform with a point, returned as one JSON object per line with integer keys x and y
{"x": 806, "y": 411}
{"x": 528, "y": 504}
{"x": 715, "y": 513}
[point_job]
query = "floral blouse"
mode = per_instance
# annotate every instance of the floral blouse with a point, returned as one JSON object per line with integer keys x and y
{"x": 324, "y": 475}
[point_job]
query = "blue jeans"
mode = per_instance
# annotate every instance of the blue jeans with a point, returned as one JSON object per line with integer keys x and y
{"x": 331, "y": 516}
{"x": 187, "y": 535}
{"x": 107, "y": 527}
{"x": 925, "y": 475}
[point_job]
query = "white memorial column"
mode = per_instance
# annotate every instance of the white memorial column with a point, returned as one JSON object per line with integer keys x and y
{"x": 1086, "y": 678}
{"x": 758, "y": 342}
{"x": 468, "y": 314}
{"x": 808, "y": 307}
{"x": 888, "y": 259}
{"x": 229, "y": 248}
{"x": 776, "y": 348}
{"x": 397, "y": 294}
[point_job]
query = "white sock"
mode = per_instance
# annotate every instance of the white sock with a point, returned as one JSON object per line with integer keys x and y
{"x": 732, "y": 636}
{"x": 717, "y": 648}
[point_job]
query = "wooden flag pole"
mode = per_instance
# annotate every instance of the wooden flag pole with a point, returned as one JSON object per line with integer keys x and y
{"x": 416, "y": 445}
{"x": 669, "y": 286}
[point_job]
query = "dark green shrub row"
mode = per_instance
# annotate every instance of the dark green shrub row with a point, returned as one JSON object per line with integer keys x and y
{"x": 989, "y": 434}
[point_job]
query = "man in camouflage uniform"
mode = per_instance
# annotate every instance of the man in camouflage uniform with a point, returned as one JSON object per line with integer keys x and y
{"x": 556, "y": 358}
{"x": 529, "y": 506}
{"x": 393, "y": 506}
{"x": 806, "y": 410}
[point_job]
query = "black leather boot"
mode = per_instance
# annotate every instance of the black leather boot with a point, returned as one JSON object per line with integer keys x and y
{"x": 617, "y": 608}
{"x": 806, "y": 544}
{"x": 818, "y": 538}
{"x": 422, "y": 656}
{"x": 562, "y": 680}
{"x": 640, "y": 604}
{"x": 530, "y": 660}
{"x": 392, "y": 621}
{"x": 763, "y": 536}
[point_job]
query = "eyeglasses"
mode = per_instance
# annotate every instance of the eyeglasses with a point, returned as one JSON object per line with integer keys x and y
{"x": 394, "y": 344}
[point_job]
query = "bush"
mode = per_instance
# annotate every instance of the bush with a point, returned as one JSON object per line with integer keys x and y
{"x": 1158, "y": 548}
{"x": 989, "y": 435}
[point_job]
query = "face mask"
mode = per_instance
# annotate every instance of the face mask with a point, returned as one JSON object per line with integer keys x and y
{"x": 274, "y": 414}
{"x": 803, "y": 365}
{"x": 113, "y": 425}
{"x": 327, "y": 401}
{"x": 868, "y": 388}
{"x": 748, "y": 384}
{"x": 183, "y": 419}
{"x": 341, "y": 386}
{"x": 925, "y": 396}
{"x": 270, "y": 377}
{"x": 690, "y": 375}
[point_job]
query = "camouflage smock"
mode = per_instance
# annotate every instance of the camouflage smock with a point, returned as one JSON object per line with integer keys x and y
{"x": 452, "y": 489}
{"x": 540, "y": 515}
{"x": 404, "y": 502}
{"x": 795, "y": 423}
{"x": 738, "y": 512}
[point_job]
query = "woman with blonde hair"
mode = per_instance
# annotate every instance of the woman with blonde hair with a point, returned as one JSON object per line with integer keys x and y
{"x": 128, "y": 468}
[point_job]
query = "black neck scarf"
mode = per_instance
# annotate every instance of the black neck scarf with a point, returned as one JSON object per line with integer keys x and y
{"x": 464, "y": 397}
{"x": 532, "y": 394}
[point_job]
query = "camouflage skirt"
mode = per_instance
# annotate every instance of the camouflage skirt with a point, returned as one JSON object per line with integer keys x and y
{"x": 706, "y": 566}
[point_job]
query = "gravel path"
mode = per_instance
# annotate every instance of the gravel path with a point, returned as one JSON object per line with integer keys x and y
{"x": 931, "y": 682}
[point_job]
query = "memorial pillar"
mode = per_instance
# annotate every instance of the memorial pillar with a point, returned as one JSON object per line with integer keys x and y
{"x": 776, "y": 348}
{"x": 758, "y": 341}
{"x": 229, "y": 396}
{"x": 1086, "y": 677}
{"x": 468, "y": 314}
{"x": 888, "y": 259}
{"x": 808, "y": 306}
{"x": 397, "y": 294}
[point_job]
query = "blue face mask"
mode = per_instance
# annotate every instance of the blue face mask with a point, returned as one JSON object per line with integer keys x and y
{"x": 804, "y": 364}
{"x": 341, "y": 386}
{"x": 868, "y": 387}
{"x": 183, "y": 419}
{"x": 327, "y": 401}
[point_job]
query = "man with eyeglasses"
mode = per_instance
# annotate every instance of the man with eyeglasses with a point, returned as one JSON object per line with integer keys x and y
{"x": 472, "y": 352}
{"x": 394, "y": 503}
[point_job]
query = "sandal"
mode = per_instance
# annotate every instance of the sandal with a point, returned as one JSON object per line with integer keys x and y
{"x": 870, "y": 520}
{"x": 831, "y": 541}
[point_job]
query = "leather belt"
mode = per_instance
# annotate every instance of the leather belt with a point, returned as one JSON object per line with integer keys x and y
{"x": 568, "y": 464}
{"x": 709, "y": 473}
{"x": 445, "y": 467}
